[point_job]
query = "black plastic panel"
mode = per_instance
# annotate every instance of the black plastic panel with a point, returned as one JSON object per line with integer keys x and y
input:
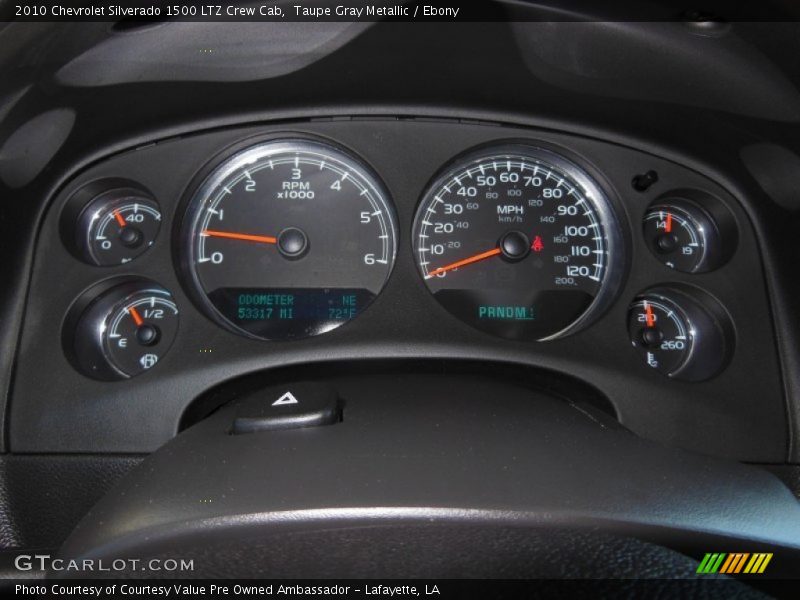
{"x": 43, "y": 497}
{"x": 740, "y": 413}
{"x": 416, "y": 454}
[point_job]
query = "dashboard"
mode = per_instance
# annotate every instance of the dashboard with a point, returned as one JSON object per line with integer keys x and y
{"x": 493, "y": 292}
{"x": 177, "y": 265}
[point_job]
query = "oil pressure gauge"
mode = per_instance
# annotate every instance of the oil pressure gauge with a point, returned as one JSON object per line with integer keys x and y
{"x": 124, "y": 330}
{"x": 111, "y": 222}
{"x": 681, "y": 333}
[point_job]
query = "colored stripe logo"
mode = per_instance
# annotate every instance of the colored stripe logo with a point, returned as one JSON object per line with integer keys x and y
{"x": 733, "y": 563}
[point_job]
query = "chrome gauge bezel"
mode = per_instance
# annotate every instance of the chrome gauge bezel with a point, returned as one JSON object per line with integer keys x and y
{"x": 86, "y": 329}
{"x": 684, "y": 323}
{"x": 598, "y": 194}
{"x": 110, "y": 324}
{"x": 92, "y": 221}
{"x": 234, "y": 159}
{"x": 698, "y": 235}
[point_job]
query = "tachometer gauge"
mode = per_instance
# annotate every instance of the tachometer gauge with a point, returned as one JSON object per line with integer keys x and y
{"x": 288, "y": 238}
{"x": 519, "y": 242}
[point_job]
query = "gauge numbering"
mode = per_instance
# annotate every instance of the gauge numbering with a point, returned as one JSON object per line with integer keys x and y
{"x": 289, "y": 238}
{"x": 519, "y": 242}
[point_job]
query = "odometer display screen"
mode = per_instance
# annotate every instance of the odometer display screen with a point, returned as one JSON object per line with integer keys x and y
{"x": 288, "y": 239}
{"x": 516, "y": 241}
{"x": 284, "y": 311}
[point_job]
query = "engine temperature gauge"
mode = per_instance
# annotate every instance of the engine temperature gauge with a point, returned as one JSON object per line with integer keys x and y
{"x": 125, "y": 330}
{"x": 683, "y": 334}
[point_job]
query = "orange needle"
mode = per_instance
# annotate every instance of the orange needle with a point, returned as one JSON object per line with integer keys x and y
{"x": 649, "y": 316}
{"x": 137, "y": 318}
{"x": 669, "y": 222}
{"x": 119, "y": 218}
{"x": 466, "y": 261}
{"x": 240, "y": 236}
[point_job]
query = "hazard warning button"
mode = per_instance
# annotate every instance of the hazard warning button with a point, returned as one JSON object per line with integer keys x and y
{"x": 303, "y": 404}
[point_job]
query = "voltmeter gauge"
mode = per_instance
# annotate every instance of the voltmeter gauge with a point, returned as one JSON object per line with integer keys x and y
{"x": 686, "y": 236}
{"x": 681, "y": 333}
{"x": 125, "y": 330}
{"x": 116, "y": 222}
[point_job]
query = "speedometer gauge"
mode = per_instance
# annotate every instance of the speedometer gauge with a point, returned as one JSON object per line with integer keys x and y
{"x": 288, "y": 238}
{"x": 519, "y": 242}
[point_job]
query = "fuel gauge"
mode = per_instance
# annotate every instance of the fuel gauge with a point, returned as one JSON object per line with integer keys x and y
{"x": 140, "y": 330}
{"x": 125, "y": 330}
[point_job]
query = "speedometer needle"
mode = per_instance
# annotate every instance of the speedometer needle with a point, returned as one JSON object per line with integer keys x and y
{"x": 466, "y": 261}
{"x": 263, "y": 239}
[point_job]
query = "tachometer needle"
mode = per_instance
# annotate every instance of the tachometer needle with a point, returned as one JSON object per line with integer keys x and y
{"x": 119, "y": 218}
{"x": 137, "y": 318}
{"x": 464, "y": 262}
{"x": 264, "y": 239}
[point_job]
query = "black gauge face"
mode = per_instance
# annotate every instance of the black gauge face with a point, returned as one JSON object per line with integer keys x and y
{"x": 661, "y": 332}
{"x": 125, "y": 330}
{"x": 681, "y": 235}
{"x": 518, "y": 242}
{"x": 288, "y": 239}
{"x": 681, "y": 332}
{"x": 118, "y": 226}
{"x": 139, "y": 330}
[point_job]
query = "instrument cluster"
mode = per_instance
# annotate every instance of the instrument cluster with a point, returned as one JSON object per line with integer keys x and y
{"x": 185, "y": 262}
{"x": 288, "y": 236}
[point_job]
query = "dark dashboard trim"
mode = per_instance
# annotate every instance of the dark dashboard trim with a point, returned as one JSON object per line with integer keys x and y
{"x": 787, "y": 343}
